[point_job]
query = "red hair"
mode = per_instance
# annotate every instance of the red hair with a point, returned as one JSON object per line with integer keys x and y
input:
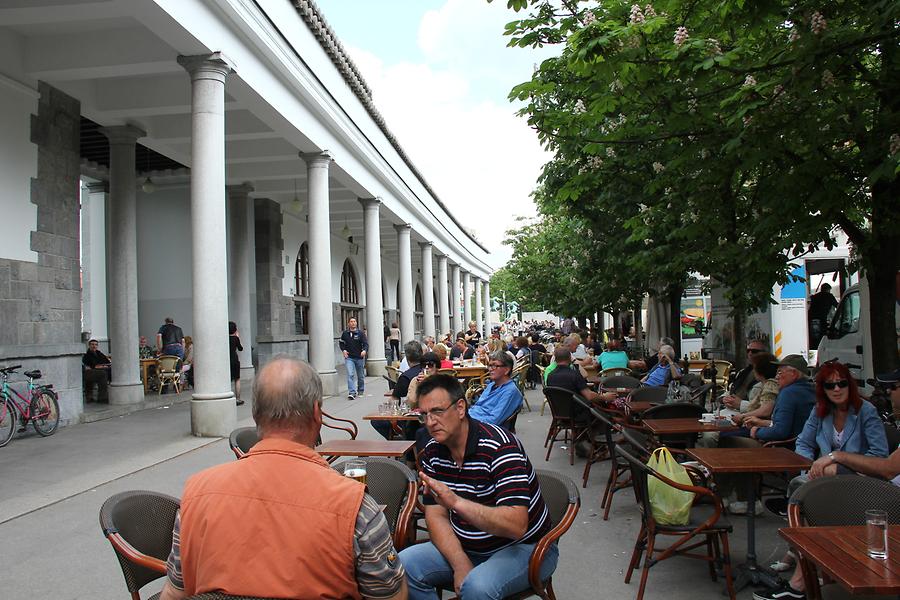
{"x": 826, "y": 372}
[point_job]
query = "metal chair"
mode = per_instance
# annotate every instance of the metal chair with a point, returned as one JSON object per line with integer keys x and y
{"x": 563, "y": 420}
{"x": 649, "y": 394}
{"x": 392, "y": 483}
{"x": 139, "y": 525}
{"x": 619, "y": 382}
{"x": 677, "y": 410}
{"x": 615, "y": 372}
{"x": 243, "y": 438}
{"x": 563, "y": 501}
{"x": 168, "y": 370}
{"x": 706, "y": 522}
{"x": 838, "y": 500}
{"x": 520, "y": 375}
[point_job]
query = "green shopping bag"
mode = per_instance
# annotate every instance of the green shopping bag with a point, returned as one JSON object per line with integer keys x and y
{"x": 668, "y": 505}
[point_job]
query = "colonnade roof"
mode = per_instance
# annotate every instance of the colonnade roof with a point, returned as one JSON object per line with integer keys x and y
{"x": 294, "y": 90}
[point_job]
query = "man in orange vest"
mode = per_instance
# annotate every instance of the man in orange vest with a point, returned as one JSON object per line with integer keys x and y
{"x": 280, "y": 522}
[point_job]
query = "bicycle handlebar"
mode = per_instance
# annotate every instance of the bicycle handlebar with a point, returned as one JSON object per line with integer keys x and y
{"x": 10, "y": 369}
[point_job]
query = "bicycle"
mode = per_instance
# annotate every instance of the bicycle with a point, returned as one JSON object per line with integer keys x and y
{"x": 42, "y": 408}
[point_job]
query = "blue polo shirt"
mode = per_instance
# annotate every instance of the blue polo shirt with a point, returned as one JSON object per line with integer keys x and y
{"x": 497, "y": 403}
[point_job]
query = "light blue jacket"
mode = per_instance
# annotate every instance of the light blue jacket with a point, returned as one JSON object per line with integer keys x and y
{"x": 497, "y": 404}
{"x": 863, "y": 434}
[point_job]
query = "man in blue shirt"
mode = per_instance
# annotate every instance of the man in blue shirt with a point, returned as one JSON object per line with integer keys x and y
{"x": 501, "y": 398}
{"x": 792, "y": 406}
{"x": 355, "y": 346}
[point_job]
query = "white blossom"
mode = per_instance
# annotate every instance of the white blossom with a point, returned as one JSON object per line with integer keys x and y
{"x": 610, "y": 152}
{"x": 637, "y": 17}
{"x": 658, "y": 167}
{"x": 692, "y": 105}
{"x": 579, "y": 107}
{"x": 714, "y": 46}
{"x": 615, "y": 86}
{"x": 704, "y": 153}
{"x": 817, "y": 23}
{"x": 749, "y": 81}
{"x": 895, "y": 144}
{"x": 747, "y": 120}
{"x": 827, "y": 78}
{"x": 795, "y": 35}
{"x": 588, "y": 18}
{"x": 681, "y": 36}
{"x": 649, "y": 12}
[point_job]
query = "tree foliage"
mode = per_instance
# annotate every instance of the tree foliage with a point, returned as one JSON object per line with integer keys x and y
{"x": 721, "y": 138}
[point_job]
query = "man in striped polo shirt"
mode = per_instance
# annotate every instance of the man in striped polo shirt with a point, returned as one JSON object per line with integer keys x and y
{"x": 483, "y": 504}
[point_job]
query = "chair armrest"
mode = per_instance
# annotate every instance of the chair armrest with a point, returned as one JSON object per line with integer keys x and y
{"x": 133, "y": 555}
{"x": 352, "y": 428}
{"x": 543, "y": 545}
{"x": 780, "y": 443}
{"x": 404, "y": 518}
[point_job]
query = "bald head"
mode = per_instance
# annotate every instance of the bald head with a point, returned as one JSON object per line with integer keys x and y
{"x": 285, "y": 396}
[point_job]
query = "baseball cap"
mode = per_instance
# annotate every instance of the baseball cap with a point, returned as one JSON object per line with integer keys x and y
{"x": 794, "y": 360}
{"x": 892, "y": 377}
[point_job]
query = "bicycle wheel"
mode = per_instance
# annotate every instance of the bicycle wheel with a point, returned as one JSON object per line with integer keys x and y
{"x": 8, "y": 421}
{"x": 45, "y": 413}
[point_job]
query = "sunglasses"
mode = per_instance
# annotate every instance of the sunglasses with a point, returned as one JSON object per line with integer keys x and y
{"x": 754, "y": 350}
{"x": 830, "y": 385}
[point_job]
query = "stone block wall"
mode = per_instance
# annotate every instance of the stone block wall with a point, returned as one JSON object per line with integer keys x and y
{"x": 40, "y": 303}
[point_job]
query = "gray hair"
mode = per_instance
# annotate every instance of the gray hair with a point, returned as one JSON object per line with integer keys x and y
{"x": 502, "y": 356}
{"x": 668, "y": 350}
{"x": 561, "y": 354}
{"x": 413, "y": 351}
{"x": 285, "y": 394}
{"x": 573, "y": 339}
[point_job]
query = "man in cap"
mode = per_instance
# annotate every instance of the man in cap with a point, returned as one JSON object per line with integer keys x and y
{"x": 795, "y": 401}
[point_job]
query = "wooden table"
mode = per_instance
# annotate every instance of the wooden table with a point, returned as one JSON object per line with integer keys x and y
{"x": 395, "y": 421}
{"x": 641, "y": 405}
{"x": 394, "y": 448}
{"x": 470, "y": 372}
{"x": 145, "y": 372}
{"x": 750, "y": 460}
{"x": 681, "y": 426}
{"x": 841, "y": 552}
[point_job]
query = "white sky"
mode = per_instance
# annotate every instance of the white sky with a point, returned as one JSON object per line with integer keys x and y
{"x": 440, "y": 74}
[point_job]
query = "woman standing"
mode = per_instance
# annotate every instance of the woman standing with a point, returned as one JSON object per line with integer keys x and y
{"x": 234, "y": 346}
{"x": 395, "y": 341}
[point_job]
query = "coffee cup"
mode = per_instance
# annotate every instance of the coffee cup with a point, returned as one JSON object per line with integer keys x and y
{"x": 708, "y": 417}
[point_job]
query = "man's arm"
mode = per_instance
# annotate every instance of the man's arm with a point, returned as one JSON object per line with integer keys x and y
{"x": 170, "y": 592}
{"x": 437, "y": 518}
{"x": 365, "y": 343}
{"x": 886, "y": 468}
{"x": 504, "y": 521}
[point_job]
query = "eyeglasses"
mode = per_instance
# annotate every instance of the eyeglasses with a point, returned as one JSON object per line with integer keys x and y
{"x": 437, "y": 413}
{"x": 754, "y": 350}
{"x": 496, "y": 366}
{"x": 830, "y": 385}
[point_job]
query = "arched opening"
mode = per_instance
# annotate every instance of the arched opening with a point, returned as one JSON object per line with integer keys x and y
{"x": 350, "y": 306}
{"x": 420, "y": 314}
{"x": 301, "y": 291}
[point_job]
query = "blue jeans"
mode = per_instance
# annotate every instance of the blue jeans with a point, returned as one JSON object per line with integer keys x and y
{"x": 356, "y": 375}
{"x": 493, "y": 578}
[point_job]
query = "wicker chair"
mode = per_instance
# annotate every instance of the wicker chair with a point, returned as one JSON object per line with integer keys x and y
{"x": 649, "y": 394}
{"x": 139, "y": 525}
{"x": 615, "y": 372}
{"x": 563, "y": 501}
{"x": 243, "y": 438}
{"x": 168, "y": 370}
{"x": 677, "y": 410}
{"x": 563, "y": 420}
{"x": 706, "y": 522}
{"x": 392, "y": 483}
{"x": 839, "y": 500}
{"x": 620, "y": 382}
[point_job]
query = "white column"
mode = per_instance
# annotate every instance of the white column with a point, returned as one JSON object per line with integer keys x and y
{"x": 454, "y": 301}
{"x": 443, "y": 300}
{"x": 375, "y": 360}
{"x": 321, "y": 319}
{"x": 427, "y": 288}
{"x": 487, "y": 308}
{"x": 213, "y": 411}
{"x": 126, "y": 387}
{"x": 405, "y": 301}
{"x": 476, "y": 289}
{"x": 467, "y": 300}
{"x": 241, "y": 220}
{"x": 94, "y": 259}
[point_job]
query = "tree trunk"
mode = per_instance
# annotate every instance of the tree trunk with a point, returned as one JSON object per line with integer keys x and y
{"x": 739, "y": 359}
{"x": 638, "y": 328}
{"x": 674, "y": 294}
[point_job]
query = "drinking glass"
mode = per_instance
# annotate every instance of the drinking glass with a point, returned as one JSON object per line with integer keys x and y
{"x": 877, "y": 533}
{"x": 356, "y": 469}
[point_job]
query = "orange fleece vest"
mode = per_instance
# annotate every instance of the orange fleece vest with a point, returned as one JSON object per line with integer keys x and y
{"x": 277, "y": 523}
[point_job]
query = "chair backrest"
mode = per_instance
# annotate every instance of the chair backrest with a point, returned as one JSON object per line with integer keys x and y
{"x": 843, "y": 500}
{"x": 510, "y": 423}
{"x": 221, "y": 596}
{"x": 392, "y": 483}
{"x": 560, "y": 401}
{"x": 560, "y": 495}
{"x": 650, "y": 394}
{"x": 139, "y": 525}
{"x": 393, "y": 373}
{"x": 620, "y": 381}
{"x": 615, "y": 372}
{"x": 242, "y": 439}
{"x": 637, "y": 442}
{"x": 168, "y": 363}
{"x": 893, "y": 436}
{"x": 639, "y": 474}
{"x": 677, "y": 410}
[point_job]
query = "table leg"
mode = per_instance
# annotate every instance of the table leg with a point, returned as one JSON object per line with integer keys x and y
{"x": 750, "y": 572}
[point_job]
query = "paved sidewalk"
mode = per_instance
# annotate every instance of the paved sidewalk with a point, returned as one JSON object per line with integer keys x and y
{"x": 53, "y": 488}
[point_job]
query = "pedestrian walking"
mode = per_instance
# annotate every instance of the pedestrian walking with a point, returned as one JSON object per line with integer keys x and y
{"x": 355, "y": 346}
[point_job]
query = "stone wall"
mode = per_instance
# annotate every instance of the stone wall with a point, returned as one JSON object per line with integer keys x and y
{"x": 40, "y": 303}
{"x": 274, "y": 311}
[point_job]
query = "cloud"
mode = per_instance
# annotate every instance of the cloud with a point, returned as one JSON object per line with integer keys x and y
{"x": 451, "y": 115}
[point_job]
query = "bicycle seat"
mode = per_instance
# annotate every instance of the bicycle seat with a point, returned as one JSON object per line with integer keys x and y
{"x": 36, "y": 374}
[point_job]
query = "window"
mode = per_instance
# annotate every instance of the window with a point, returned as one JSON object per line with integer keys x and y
{"x": 301, "y": 272}
{"x": 847, "y": 318}
{"x": 420, "y": 314}
{"x": 349, "y": 295}
{"x": 301, "y": 290}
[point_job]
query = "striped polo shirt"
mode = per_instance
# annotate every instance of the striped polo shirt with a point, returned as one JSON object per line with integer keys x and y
{"x": 495, "y": 472}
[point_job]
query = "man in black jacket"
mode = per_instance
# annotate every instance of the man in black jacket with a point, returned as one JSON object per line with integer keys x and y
{"x": 354, "y": 345}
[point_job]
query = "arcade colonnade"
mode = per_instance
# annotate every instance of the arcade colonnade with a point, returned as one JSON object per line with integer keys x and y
{"x": 271, "y": 170}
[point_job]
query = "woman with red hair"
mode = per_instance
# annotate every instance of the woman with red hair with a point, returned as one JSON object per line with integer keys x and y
{"x": 841, "y": 420}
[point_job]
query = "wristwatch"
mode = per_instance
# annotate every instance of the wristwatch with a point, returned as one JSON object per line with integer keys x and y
{"x": 831, "y": 456}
